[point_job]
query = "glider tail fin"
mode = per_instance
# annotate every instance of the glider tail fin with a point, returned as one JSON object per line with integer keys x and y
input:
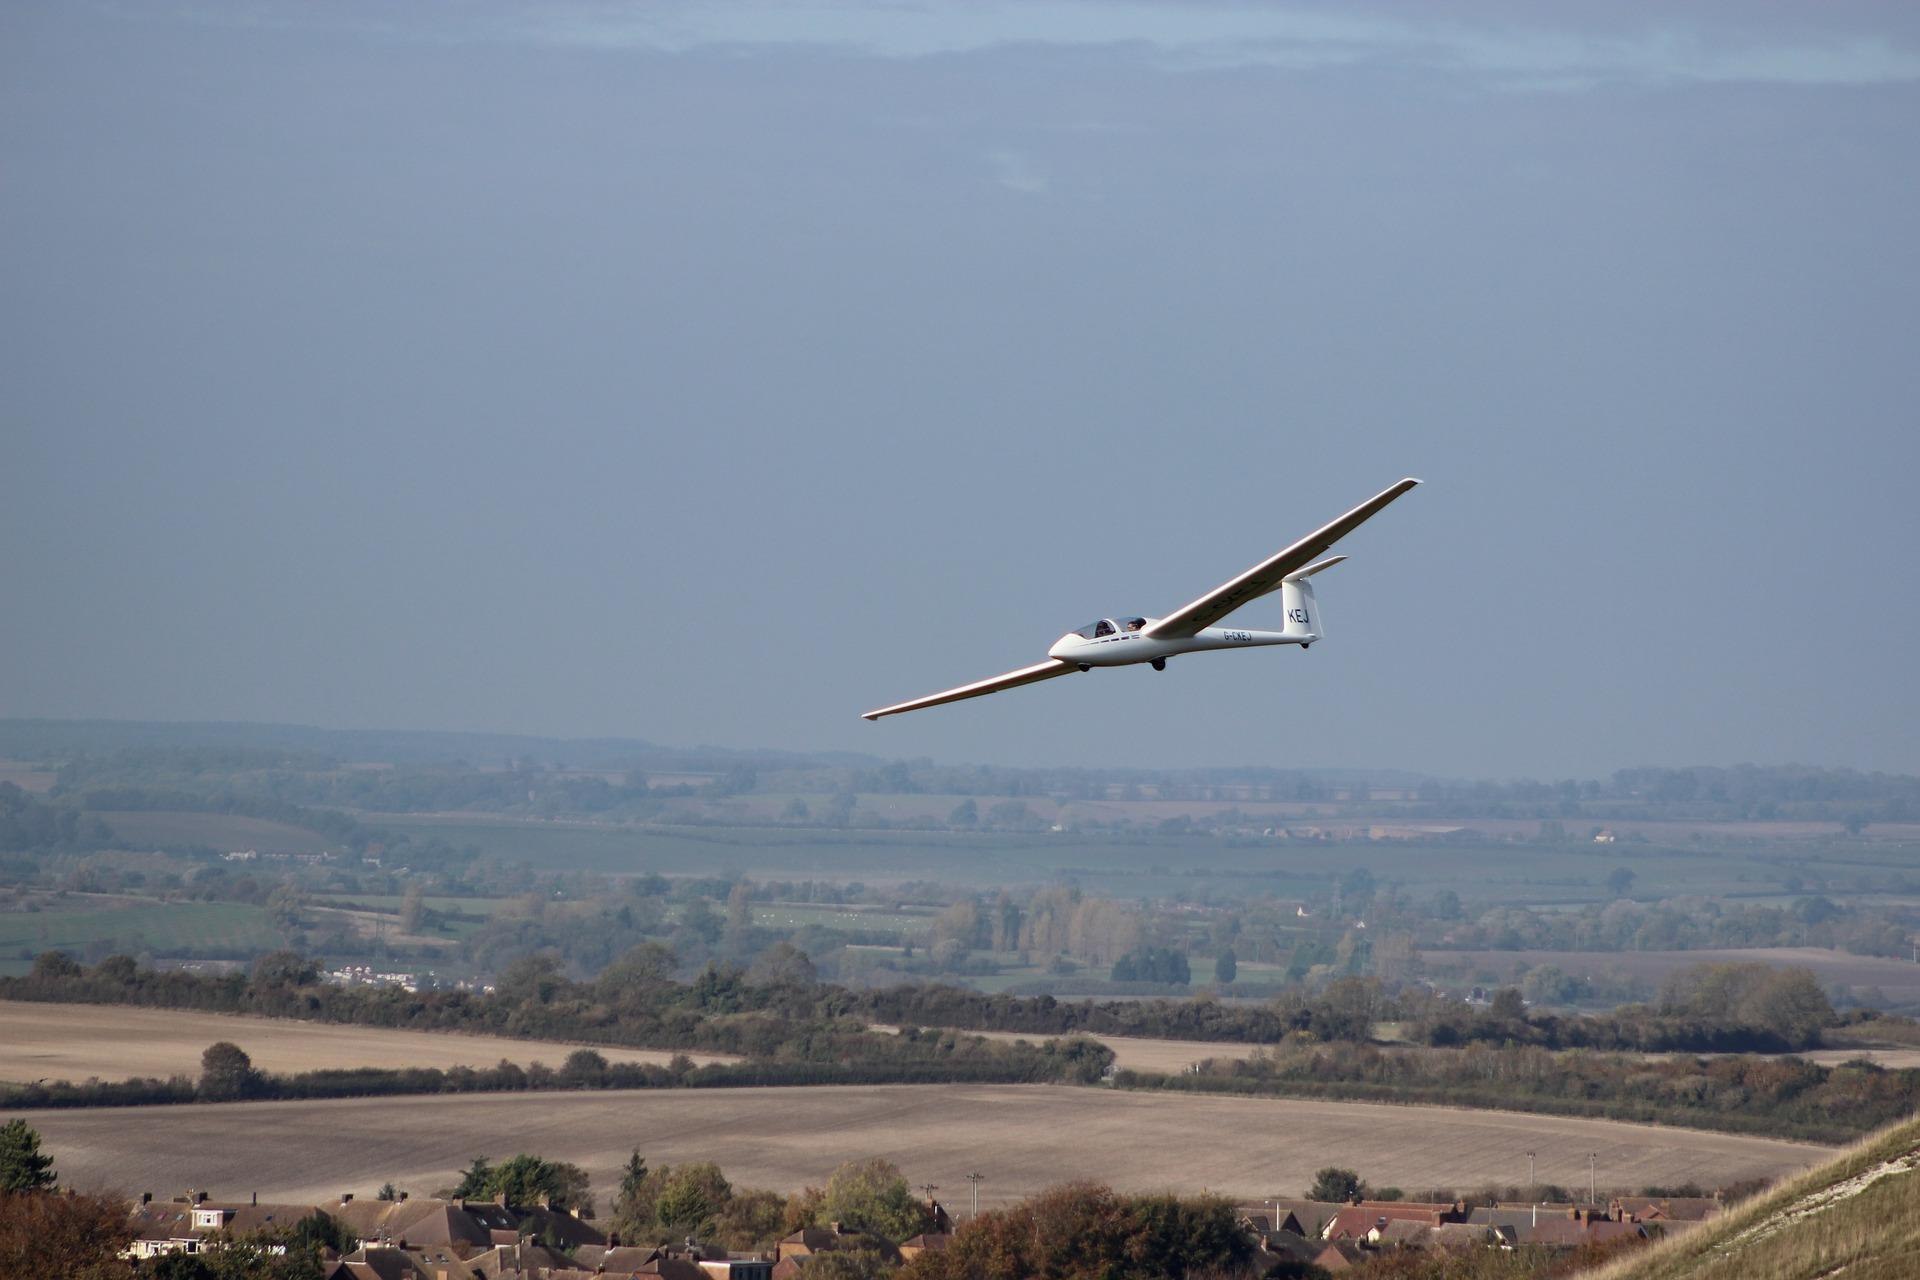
{"x": 1303, "y": 611}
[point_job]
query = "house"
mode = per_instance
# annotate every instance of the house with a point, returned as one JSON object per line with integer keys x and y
{"x": 465, "y": 1225}
{"x": 811, "y": 1240}
{"x": 1309, "y": 1217}
{"x": 926, "y": 1241}
{"x": 613, "y": 1259}
{"x": 1339, "y": 1255}
{"x": 185, "y": 1223}
{"x": 1462, "y": 1236}
{"x": 1571, "y": 1233}
{"x": 1401, "y": 1233}
{"x": 1665, "y": 1208}
{"x": 1355, "y": 1221}
{"x": 377, "y": 1262}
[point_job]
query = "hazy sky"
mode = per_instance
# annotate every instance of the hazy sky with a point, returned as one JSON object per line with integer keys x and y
{"x": 712, "y": 373}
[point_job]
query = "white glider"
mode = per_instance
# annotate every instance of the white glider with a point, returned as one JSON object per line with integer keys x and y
{"x": 1122, "y": 642}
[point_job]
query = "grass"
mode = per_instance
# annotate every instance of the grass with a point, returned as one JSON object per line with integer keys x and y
{"x": 162, "y": 928}
{"x": 1857, "y": 1215}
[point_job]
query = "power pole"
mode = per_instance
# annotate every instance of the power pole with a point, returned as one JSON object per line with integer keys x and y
{"x": 1593, "y": 1194}
{"x": 975, "y": 1179}
{"x": 1532, "y": 1181}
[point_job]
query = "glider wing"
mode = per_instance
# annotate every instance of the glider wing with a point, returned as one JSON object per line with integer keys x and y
{"x": 1011, "y": 680}
{"x": 1191, "y": 619}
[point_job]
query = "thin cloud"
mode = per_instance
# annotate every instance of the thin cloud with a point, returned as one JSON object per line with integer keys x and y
{"x": 1199, "y": 36}
{"x": 1016, "y": 171}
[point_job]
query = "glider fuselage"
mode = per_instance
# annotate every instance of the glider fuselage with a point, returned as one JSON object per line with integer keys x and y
{"x": 1123, "y": 648}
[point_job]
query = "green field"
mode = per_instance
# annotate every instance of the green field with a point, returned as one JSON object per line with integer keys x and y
{"x": 223, "y": 831}
{"x": 1165, "y": 867}
{"x": 784, "y": 915}
{"x": 393, "y": 901}
{"x": 162, "y": 928}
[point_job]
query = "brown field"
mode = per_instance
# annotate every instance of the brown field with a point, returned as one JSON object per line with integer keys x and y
{"x": 1899, "y": 979}
{"x": 1022, "y": 1137}
{"x": 26, "y": 776}
{"x": 113, "y": 1042}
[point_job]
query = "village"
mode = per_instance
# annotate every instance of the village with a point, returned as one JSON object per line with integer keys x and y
{"x": 453, "y": 1238}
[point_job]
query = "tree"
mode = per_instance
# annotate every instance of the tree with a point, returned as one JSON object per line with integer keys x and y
{"x": 965, "y": 814}
{"x": 750, "y": 1220}
{"x": 534, "y": 978}
{"x": 63, "y": 1237}
{"x": 388, "y": 1192}
{"x": 284, "y": 969}
{"x": 584, "y": 1066}
{"x": 873, "y": 1196}
{"x": 22, "y": 1167}
{"x": 632, "y": 1174}
{"x": 527, "y": 1180}
{"x": 474, "y": 1181}
{"x": 413, "y": 909}
{"x": 119, "y": 970}
{"x": 1790, "y": 1004}
{"x": 782, "y": 964}
{"x": 55, "y": 964}
{"x": 1153, "y": 964}
{"x": 1226, "y": 966}
{"x": 226, "y": 1072}
{"x": 689, "y": 1198}
{"x": 739, "y": 910}
{"x": 1335, "y": 1185}
{"x": 1619, "y": 880}
{"x": 1509, "y": 1005}
{"x": 848, "y": 1264}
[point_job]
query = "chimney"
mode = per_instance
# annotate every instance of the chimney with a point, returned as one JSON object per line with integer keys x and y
{"x": 403, "y": 1195}
{"x": 199, "y": 1197}
{"x": 146, "y": 1197}
{"x": 346, "y": 1197}
{"x": 256, "y": 1199}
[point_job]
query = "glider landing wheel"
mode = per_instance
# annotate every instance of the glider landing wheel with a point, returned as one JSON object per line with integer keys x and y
{"x": 1159, "y": 664}
{"x": 1084, "y": 667}
{"x": 1305, "y": 647}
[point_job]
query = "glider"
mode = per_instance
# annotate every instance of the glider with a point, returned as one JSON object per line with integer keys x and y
{"x": 1119, "y": 642}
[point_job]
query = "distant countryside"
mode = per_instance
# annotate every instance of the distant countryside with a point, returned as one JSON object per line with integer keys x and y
{"x": 1635, "y": 1000}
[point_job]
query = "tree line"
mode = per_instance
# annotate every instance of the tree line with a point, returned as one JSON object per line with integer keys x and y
{"x": 1782, "y": 1097}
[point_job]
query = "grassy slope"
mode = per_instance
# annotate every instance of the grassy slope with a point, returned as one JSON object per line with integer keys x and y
{"x": 1856, "y": 1216}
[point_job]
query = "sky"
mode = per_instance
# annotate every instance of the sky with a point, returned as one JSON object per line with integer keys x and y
{"x": 712, "y": 373}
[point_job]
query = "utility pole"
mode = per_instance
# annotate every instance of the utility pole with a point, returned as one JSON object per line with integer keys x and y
{"x": 975, "y": 1179}
{"x": 1532, "y": 1181}
{"x": 1593, "y": 1194}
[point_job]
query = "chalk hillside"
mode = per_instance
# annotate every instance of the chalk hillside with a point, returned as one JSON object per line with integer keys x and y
{"x": 1855, "y": 1217}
